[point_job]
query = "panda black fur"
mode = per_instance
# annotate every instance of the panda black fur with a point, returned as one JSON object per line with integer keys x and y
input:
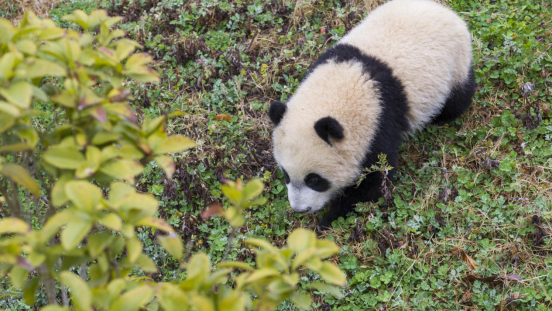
{"x": 407, "y": 64}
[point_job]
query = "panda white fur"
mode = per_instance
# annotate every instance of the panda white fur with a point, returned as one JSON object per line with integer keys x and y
{"x": 407, "y": 64}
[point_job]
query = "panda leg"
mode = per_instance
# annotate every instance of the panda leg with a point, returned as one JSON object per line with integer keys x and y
{"x": 368, "y": 191}
{"x": 458, "y": 102}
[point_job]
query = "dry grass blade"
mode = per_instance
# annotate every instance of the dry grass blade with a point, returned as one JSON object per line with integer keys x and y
{"x": 465, "y": 258}
{"x": 14, "y": 9}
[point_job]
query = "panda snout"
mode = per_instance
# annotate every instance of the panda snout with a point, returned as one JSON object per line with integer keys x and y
{"x": 302, "y": 210}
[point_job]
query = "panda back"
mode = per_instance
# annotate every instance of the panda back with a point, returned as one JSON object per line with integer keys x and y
{"x": 427, "y": 46}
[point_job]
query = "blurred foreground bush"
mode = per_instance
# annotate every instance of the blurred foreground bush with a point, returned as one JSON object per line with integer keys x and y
{"x": 66, "y": 179}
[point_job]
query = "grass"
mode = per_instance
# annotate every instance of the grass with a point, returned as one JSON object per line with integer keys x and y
{"x": 469, "y": 224}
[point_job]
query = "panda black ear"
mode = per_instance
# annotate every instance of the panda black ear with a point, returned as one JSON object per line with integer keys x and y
{"x": 276, "y": 111}
{"x": 329, "y": 127}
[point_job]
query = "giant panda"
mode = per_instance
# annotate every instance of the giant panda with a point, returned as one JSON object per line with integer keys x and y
{"x": 409, "y": 63}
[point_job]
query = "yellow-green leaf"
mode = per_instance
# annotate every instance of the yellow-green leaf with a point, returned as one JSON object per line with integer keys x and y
{"x": 80, "y": 292}
{"x": 122, "y": 169}
{"x": 13, "y": 225}
{"x": 202, "y": 303}
{"x": 55, "y": 222}
{"x": 332, "y": 274}
{"x": 302, "y": 301}
{"x": 171, "y": 297}
{"x": 172, "y": 144}
{"x": 112, "y": 221}
{"x": 173, "y": 245}
{"x": 167, "y": 164}
{"x": 252, "y": 189}
{"x": 6, "y": 122}
{"x": 16, "y": 147}
{"x": 10, "y": 109}
{"x": 134, "y": 249}
{"x": 146, "y": 264}
{"x": 235, "y": 264}
{"x": 155, "y": 223}
{"x": 92, "y": 163}
{"x": 98, "y": 242}
{"x": 58, "y": 191}
{"x": 26, "y": 46}
{"x": 301, "y": 239}
{"x": 18, "y": 94}
{"x": 64, "y": 157}
{"x": 42, "y": 68}
{"x": 29, "y": 292}
{"x": 73, "y": 234}
{"x": 83, "y": 194}
{"x": 327, "y": 288}
{"x": 18, "y": 276}
{"x": 261, "y": 274}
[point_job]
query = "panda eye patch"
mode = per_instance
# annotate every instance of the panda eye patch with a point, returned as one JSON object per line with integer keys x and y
{"x": 286, "y": 176}
{"x": 317, "y": 182}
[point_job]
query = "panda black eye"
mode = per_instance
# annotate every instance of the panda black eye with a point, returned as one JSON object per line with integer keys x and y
{"x": 317, "y": 183}
{"x": 286, "y": 176}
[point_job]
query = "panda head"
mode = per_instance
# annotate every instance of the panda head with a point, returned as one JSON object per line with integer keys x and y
{"x": 309, "y": 156}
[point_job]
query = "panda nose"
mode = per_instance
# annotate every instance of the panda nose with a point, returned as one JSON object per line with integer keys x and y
{"x": 306, "y": 210}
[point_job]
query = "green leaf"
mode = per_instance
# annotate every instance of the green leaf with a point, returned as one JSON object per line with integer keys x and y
{"x": 18, "y": 276}
{"x": 19, "y": 94}
{"x": 83, "y": 194}
{"x": 133, "y": 300}
{"x": 122, "y": 169}
{"x": 173, "y": 245}
{"x": 302, "y": 301}
{"x": 29, "y": 292}
{"x": 64, "y": 157}
{"x": 134, "y": 249}
{"x": 506, "y": 166}
{"x": 332, "y": 274}
{"x": 13, "y": 225}
{"x": 171, "y": 297}
{"x": 80, "y": 292}
{"x": 327, "y": 288}
{"x": 74, "y": 233}
{"x": 301, "y": 239}
{"x": 173, "y": 144}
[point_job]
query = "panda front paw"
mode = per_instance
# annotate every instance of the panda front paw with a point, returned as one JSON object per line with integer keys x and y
{"x": 324, "y": 224}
